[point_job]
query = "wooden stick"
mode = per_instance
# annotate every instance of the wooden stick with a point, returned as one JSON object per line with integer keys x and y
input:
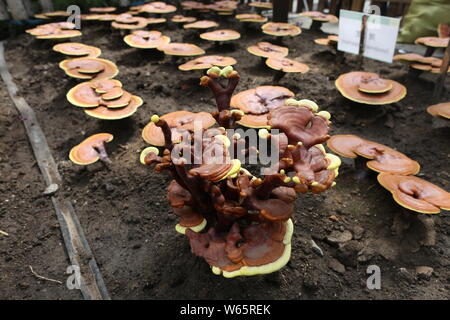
{"x": 43, "y": 278}
{"x": 439, "y": 86}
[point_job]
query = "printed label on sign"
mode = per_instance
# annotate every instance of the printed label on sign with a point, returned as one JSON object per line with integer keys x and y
{"x": 380, "y": 35}
{"x": 349, "y": 31}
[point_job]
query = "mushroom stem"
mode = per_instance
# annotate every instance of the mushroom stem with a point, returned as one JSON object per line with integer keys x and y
{"x": 361, "y": 170}
{"x": 430, "y": 232}
{"x": 167, "y": 133}
{"x": 102, "y": 154}
{"x": 278, "y": 76}
{"x": 222, "y": 94}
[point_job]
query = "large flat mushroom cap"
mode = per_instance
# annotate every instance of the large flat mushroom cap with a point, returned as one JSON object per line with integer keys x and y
{"x": 146, "y": 39}
{"x": 85, "y": 153}
{"x": 129, "y": 22}
{"x": 348, "y": 85}
{"x": 261, "y": 100}
{"x": 319, "y": 16}
{"x": 415, "y": 194}
{"x": 280, "y": 29}
{"x": 382, "y": 158}
{"x": 178, "y": 121}
{"x": 268, "y": 50}
{"x": 260, "y": 4}
{"x": 201, "y": 24}
{"x": 106, "y": 113}
{"x": 182, "y": 19}
{"x": 77, "y": 49}
{"x": 286, "y": 65}
{"x": 158, "y": 7}
{"x": 434, "y": 42}
{"x": 57, "y": 14}
{"x": 181, "y": 49}
{"x": 89, "y": 68}
{"x": 251, "y": 17}
{"x": 221, "y": 35}
{"x": 259, "y": 121}
{"x": 206, "y": 62}
{"x": 103, "y": 9}
{"x": 107, "y": 17}
{"x": 440, "y": 110}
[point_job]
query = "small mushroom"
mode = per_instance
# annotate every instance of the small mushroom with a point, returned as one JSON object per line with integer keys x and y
{"x": 260, "y": 6}
{"x": 331, "y": 41}
{"x": 221, "y": 35}
{"x": 129, "y": 22}
{"x": 251, "y": 17}
{"x": 369, "y": 88}
{"x": 181, "y": 49}
{"x": 178, "y": 122}
{"x": 415, "y": 194}
{"x": 319, "y": 17}
{"x": 91, "y": 150}
{"x": 285, "y": 65}
{"x": 105, "y": 113}
{"x": 108, "y": 93}
{"x": 201, "y": 24}
{"x": 279, "y": 29}
{"x": 381, "y": 158}
{"x": 158, "y": 7}
{"x": 156, "y": 20}
{"x": 268, "y": 50}
{"x": 440, "y": 110}
{"x": 89, "y": 68}
{"x": 75, "y": 49}
{"x": 432, "y": 43}
{"x": 182, "y": 19}
{"x": 103, "y": 10}
{"x": 206, "y": 62}
{"x": 143, "y": 39}
{"x": 56, "y": 30}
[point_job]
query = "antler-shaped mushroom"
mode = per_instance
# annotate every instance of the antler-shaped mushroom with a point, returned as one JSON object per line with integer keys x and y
{"x": 225, "y": 117}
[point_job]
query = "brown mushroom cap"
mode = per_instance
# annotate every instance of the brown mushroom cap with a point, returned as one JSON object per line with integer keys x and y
{"x": 440, "y": 110}
{"x": 158, "y": 7}
{"x": 255, "y": 121}
{"x": 182, "y": 19}
{"x": 190, "y": 5}
{"x": 268, "y": 50}
{"x": 280, "y": 29}
{"x": 286, "y": 65}
{"x": 261, "y": 100}
{"x": 221, "y": 35}
{"x": 103, "y": 92}
{"x": 178, "y": 121}
{"x": 415, "y": 194}
{"x": 89, "y": 68}
{"x": 383, "y": 158}
{"x": 57, "y": 14}
{"x": 201, "y": 24}
{"x": 85, "y": 153}
{"x": 77, "y": 49}
{"x": 251, "y": 17}
{"x": 146, "y": 39}
{"x": 103, "y": 9}
{"x": 181, "y": 49}
{"x": 206, "y": 62}
{"x": 319, "y": 16}
{"x": 106, "y": 113}
{"x": 349, "y": 83}
{"x": 259, "y": 4}
{"x": 434, "y": 42}
{"x": 129, "y": 22}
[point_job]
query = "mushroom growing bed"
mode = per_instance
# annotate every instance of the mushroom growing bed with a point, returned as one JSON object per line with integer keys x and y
{"x": 128, "y": 221}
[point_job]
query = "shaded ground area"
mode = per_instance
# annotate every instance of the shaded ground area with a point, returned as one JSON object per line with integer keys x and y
{"x": 129, "y": 224}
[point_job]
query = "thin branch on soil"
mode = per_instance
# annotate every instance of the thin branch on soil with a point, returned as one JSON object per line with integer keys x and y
{"x": 43, "y": 278}
{"x": 4, "y": 233}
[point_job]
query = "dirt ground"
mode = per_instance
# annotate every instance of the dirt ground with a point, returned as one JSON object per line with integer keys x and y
{"x": 128, "y": 221}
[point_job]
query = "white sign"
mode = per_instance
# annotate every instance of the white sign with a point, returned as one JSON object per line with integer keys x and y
{"x": 380, "y": 35}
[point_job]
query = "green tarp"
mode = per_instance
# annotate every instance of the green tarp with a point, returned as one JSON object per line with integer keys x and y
{"x": 423, "y": 18}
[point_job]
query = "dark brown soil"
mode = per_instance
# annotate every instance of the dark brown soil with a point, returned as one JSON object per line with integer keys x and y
{"x": 126, "y": 217}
